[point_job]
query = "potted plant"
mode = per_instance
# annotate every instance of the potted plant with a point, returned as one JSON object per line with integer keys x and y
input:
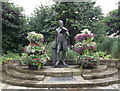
{"x": 35, "y": 53}
{"x": 86, "y": 49}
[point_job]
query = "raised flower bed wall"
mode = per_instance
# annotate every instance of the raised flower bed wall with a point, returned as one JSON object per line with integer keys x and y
{"x": 109, "y": 62}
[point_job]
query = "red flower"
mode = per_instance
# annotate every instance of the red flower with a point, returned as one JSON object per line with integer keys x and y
{"x": 37, "y": 62}
{"x": 35, "y": 58}
{"x": 26, "y": 57}
{"x": 47, "y": 60}
{"x": 33, "y": 44}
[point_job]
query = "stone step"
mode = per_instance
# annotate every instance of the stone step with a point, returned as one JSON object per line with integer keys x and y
{"x": 49, "y": 71}
{"x": 99, "y": 68}
{"x": 24, "y": 76}
{"x": 68, "y": 61}
{"x": 59, "y": 84}
{"x": 73, "y": 70}
{"x": 109, "y": 72}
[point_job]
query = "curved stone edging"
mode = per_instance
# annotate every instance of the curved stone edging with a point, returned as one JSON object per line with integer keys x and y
{"x": 58, "y": 71}
{"x": 15, "y": 74}
{"x": 109, "y": 72}
{"x": 51, "y": 71}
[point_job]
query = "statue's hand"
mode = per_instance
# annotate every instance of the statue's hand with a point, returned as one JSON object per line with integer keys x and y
{"x": 69, "y": 36}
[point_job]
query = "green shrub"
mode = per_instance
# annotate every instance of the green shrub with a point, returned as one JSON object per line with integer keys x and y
{"x": 50, "y": 45}
{"x": 104, "y": 55}
{"x": 72, "y": 54}
{"x": 9, "y": 56}
{"x": 110, "y": 46}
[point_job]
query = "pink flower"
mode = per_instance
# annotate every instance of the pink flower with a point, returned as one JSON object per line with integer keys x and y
{"x": 94, "y": 47}
{"x": 25, "y": 51}
{"x": 42, "y": 40}
{"x": 38, "y": 59}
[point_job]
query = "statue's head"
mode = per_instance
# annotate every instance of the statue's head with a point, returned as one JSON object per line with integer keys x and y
{"x": 60, "y": 23}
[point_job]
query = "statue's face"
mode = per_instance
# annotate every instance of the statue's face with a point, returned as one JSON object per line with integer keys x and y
{"x": 60, "y": 23}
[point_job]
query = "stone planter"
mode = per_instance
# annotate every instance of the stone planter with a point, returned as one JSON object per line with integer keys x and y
{"x": 88, "y": 64}
{"x": 88, "y": 67}
{"x": 118, "y": 65}
{"x": 32, "y": 67}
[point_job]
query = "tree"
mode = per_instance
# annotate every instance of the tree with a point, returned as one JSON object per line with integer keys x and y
{"x": 78, "y": 16}
{"x": 112, "y": 21}
{"x": 43, "y": 21}
{"x": 12, "y": 26}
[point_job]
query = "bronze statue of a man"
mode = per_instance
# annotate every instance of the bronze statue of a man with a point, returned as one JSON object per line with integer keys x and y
{"x": 61, "y": 43}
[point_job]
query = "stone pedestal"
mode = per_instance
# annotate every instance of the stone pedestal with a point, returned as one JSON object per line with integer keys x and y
{"x": 54, "y": 56}
{"x": 118, "y": 65}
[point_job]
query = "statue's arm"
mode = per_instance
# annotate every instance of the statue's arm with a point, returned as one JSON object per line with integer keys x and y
{"x": 66, "y": 31}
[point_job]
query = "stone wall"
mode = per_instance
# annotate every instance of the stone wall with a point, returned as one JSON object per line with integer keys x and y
{"x": 110, "y": 63}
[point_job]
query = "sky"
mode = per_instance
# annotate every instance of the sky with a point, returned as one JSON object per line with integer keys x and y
{"x": 30, "y": 5}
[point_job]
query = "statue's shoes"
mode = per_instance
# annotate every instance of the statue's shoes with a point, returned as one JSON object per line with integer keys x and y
{"x": 64, "y": 64}
{"x": 57, "y": 63}
{"x": 57, "y": 66}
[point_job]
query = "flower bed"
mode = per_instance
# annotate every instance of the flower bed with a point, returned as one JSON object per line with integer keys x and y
{"x": 35, "y": 53}
{"x": 86, "y": 49}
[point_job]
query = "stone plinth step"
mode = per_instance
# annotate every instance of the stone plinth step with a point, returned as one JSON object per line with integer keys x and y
{"x": 109, "y": 72}
{"x": 70, "y": 71}
{"x": 15, "y": 74}
{"x": 57, "y": 84}
{"x": 99, "y": 68}
{"x": 49, "y": 71}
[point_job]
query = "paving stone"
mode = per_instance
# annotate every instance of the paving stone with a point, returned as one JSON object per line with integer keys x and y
{"x": 79, "y": 78}
{"x": 47, "y": 78}
{"x": 63, "y": 79}
{"x": 47, "y": 84}
{"x": 114, "y": 86}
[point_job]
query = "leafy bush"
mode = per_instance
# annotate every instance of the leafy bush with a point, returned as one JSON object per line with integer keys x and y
{"x": 12, "y": 25}
{"x": 9, "y": 56}
{"x": 71, "y": 54}
{"x": 49, "y": 46}
{"x": 104, "y": 55}
{"x": 110, "y": 46}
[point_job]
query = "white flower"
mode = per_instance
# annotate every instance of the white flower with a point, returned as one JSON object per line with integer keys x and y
{"x": 33, "y": 51}
{"x": 33, "y": 32}
{"x": 35, "y": 36}
{"x": 30, "y": 49}
{"x": 86, "y": 31}
{"x": 41, "y": 35}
